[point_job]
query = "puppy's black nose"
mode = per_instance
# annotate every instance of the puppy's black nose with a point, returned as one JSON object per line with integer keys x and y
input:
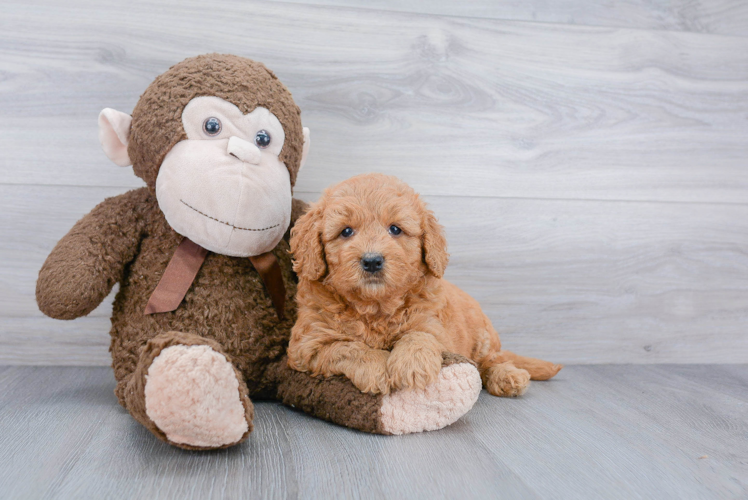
{"x": 372, "y": 262}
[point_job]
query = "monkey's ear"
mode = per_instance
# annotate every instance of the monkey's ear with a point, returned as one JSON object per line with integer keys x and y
{"x": 114, "y": 134}
{"x": 434, "y": 245}
{"x": 306, "y": 245}
{"x": 305, "y": 149}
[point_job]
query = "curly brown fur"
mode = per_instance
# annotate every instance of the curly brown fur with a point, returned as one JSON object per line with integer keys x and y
{"x": 241, "y": 81}
{"x": 226, "y": 307}
{"x": 126, "y": 239}
{"x": 387, "y": 330}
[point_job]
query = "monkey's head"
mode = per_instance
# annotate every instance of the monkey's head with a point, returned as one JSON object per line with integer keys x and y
{"x": 219, "y": 140}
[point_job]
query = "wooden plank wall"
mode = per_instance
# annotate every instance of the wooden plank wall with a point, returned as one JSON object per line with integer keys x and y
{"x": 588, "y": 159}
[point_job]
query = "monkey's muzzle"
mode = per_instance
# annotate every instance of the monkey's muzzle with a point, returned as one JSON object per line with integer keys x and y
{"x": 243, "y": 150}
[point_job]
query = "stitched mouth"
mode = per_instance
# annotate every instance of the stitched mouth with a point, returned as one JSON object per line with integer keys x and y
{"x": 226, "y": 223}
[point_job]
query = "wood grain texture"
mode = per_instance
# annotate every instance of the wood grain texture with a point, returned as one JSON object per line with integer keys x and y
{"x": 592, "y": 179}
{"x": 455, "y": 106}
{"x": 594, "y": 432}
{"x": 570, "y": 281}
{"x": 724, "y": 17}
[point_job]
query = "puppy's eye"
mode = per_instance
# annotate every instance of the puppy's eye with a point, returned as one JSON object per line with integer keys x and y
{"x": 212, "y": 126}
{"x": 394, "y": 230}
{"x": 347, "y": 232}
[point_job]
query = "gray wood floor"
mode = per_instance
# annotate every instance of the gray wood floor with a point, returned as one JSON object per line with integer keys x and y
{"x": 616, "y": 431}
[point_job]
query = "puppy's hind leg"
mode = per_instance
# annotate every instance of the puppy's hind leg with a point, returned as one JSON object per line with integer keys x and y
{"x": 504, "y": 379}
{"x": 538, "y": 369}
{"x": 507, "y": 374}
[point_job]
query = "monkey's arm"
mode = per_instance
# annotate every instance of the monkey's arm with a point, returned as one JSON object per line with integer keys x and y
{"x": 91, "y": 258}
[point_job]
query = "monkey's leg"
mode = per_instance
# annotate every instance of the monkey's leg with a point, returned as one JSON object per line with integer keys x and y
{"x": 186, "y": 391}
{"x": 337, "y": 400}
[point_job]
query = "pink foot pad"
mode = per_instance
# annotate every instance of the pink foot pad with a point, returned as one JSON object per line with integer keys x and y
{"x": 192, "y": 395}
{"x": 438, "y": 405}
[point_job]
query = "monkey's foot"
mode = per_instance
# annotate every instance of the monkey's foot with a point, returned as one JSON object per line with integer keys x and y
{"x": 193, "y": 395}
{"x": 437, "y": 405}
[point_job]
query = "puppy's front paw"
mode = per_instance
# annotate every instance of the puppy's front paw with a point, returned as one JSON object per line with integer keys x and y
{"x": 506, "y": 380}
{"x": 415, "y": 362}
{"x": 371, "y": 374}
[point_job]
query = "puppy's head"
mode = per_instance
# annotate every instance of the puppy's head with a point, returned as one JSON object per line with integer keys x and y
{"x": 368, "y": 237}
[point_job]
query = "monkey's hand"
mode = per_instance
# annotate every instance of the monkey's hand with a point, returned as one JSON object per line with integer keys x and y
{"x": 87, "y": 262}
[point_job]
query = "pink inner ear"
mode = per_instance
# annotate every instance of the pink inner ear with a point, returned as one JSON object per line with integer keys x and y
{"x": 114, "y": 132}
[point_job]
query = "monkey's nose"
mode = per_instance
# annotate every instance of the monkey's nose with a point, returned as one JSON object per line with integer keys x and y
{"x": 372, "y": 262}
{"x": 245, "y": 151}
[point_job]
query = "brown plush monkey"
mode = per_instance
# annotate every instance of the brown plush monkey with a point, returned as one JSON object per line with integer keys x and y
{"x": 205, "y": 307}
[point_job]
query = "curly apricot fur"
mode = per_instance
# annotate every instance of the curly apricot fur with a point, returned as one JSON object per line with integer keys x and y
{"x": 387, "y": 330}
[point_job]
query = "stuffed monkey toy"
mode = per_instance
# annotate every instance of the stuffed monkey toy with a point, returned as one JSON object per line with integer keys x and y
{"x": 203, "y": 315}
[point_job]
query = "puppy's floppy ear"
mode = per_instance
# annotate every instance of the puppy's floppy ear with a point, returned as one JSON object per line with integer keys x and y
{"x": 306, "y": 244}
{"x": 434, "y": 245}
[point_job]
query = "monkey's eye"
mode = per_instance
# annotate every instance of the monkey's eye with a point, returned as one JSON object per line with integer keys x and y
{"x": 347, "y": 232}
{"x": 262, "y": 139}
{"x": 394, "y": 230}
{"x": 212, "y": 126}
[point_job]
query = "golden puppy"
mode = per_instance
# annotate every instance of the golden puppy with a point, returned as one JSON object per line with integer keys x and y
{"x": 372, "y": 302}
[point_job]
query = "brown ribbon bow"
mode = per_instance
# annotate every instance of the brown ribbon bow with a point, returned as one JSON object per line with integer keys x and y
{"x": 186, "y": 262}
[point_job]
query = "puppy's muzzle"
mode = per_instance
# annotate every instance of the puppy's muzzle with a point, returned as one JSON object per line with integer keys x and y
{"x": 372, "y": 262}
